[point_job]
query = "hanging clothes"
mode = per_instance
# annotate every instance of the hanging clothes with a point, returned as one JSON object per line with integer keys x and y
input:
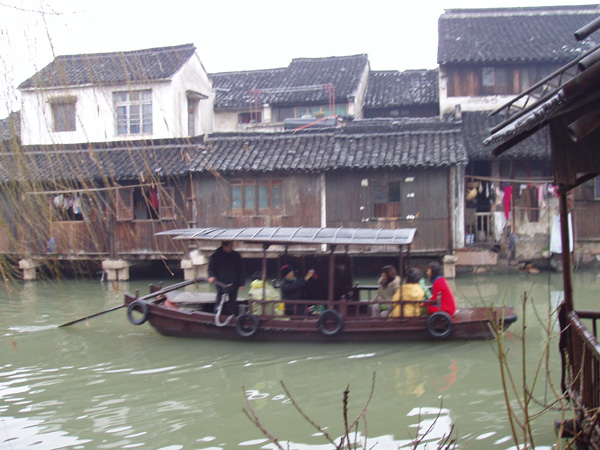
{"x": 507, "y": 200}
{"x": 555, "y": 236}
{"x": 153, "y": 198}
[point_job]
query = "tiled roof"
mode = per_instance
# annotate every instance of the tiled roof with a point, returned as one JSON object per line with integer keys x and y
{"x": 231, "y": 88}
{"x": 361, "y": 145}
{"x": 123, "y": 161}
{"x": 10, "y": 128}
{"x": 112, "y": 68}
{"x": 393, "y": 88}
{"x": 477, "y": 125}
{"x": 298, "y": 84}
{"x": 513, "y": 35}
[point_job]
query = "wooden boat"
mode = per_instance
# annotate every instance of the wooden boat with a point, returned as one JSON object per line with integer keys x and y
{"x": 340, "y": 308}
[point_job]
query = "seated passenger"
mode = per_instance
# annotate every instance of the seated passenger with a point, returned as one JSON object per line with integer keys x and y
{"x": 292, "y": 289}
{"x": 441, "y": 292}
{"x": 409, "y": 292}
{"x": 388, "y": 282}
{"x": 257, "y": 289}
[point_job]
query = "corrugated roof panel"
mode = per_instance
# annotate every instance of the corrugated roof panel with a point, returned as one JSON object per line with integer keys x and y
{"x": 299, "y": 235}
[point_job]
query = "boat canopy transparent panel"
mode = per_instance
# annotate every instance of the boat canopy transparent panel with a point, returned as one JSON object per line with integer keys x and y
{"x": 299, "y": 235}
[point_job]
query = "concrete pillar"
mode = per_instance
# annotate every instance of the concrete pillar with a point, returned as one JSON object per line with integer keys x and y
{"x": 194, "y": 267}
{"x": 449, "y": 262}
{"x": 116, "y": 270}
{"x": 29, "y": 268}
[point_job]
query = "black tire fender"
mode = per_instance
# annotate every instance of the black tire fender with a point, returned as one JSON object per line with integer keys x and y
{"x": 247, "y": 325}
{"x": 142, "y": 307}
{"x": 330, "y": 315}
{"x": 439, "y": 325}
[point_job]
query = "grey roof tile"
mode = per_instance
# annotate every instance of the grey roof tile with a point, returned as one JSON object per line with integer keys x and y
{"x": 361, "y": 145}
{"x": 123, "y": 161}
{"x": 288, "y": 86}
{"x": 393, "y": 88}
{"x": 10, "y": 127}
{"x": 112, "y": 68}
{"x": 513, "y": 35}
{"x": 476, "y": 128}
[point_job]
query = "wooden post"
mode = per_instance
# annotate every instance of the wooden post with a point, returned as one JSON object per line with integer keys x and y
{"x": 264, "y": 272}
{"x": 331, "y": 285}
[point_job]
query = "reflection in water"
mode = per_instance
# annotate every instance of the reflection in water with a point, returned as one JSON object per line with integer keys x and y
{"x": 105, "y": 384}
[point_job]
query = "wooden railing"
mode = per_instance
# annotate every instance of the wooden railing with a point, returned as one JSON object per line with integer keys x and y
{"x": 582, "y": 372}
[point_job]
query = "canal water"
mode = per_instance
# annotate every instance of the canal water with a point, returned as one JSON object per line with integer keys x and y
{"x": 105, "y": 384}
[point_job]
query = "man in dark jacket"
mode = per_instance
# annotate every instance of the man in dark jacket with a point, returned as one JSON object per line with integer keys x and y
{"x": 225, "y": 265}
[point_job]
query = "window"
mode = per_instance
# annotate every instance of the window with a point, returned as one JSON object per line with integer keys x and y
{"x": 244, "y": 118}
{"x": 597, "y": 188}
{"x": 386, "y": 199}
{"x": 145, "y": 203}
{"x": 63, "y": 114}
{"x": 494, "y": 80}
{"x": 133, "y": 112}
{"x": 318, "y": 111}
{"x": 193, "y": 105}
{"x": 256, "y": 197}
{"x": 192, "y": 114}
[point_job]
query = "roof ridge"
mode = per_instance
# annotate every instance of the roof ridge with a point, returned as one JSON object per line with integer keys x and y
{"x": 358, "y": 55}
{"x": 520, "y": 11}
{"x": 129, "y": 52}
{"x": 246, "y": 71}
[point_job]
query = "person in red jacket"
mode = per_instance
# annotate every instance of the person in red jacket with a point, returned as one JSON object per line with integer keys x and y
{"x": 441, "y": 292}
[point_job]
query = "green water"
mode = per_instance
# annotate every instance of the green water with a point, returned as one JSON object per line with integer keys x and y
{"x": 105, "y": 384}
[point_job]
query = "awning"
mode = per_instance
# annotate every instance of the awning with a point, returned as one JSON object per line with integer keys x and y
{"x": 299, "y": 235}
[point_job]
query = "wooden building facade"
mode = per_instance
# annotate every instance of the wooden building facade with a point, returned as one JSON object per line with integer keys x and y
{"x": 96, "y": 202}
{"x": 367, "y": 174}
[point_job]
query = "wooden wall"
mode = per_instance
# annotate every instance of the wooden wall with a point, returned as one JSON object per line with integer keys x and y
{"x": 301, "y": 202}
{"x": 467, "y": 81}
{"x": 424, "y": 196}
{"x": 349, "y": 203}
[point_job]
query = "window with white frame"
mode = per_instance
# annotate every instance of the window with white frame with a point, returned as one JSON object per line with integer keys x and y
{"x": 256, "y": 196}
{"x": 63, "y": 114}
{"x": 133, "y": 110}
{"x": 145, "y": 203}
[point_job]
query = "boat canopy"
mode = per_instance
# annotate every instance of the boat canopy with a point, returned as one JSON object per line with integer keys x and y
{"x": 299, "y": 235}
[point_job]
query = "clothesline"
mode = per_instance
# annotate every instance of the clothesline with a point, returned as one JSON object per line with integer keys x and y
{"x": 83, "y": 190}
{"x": 511, "y": 180}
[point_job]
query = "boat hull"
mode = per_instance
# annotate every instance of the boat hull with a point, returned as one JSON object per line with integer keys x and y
{"x": 468, "y": 324}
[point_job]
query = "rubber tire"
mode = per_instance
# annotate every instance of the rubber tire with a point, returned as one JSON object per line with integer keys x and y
{"x": 435, "y": 318}
{"x": 142, "y": 307}
{"x": 242, "y": 329}
{"x": 329, "y": 314}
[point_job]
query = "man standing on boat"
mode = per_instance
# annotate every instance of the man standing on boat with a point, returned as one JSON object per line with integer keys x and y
{"x": 225, "y": 266}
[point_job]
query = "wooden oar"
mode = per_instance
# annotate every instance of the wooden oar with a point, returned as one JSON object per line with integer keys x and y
{"x": 173, "y": 287}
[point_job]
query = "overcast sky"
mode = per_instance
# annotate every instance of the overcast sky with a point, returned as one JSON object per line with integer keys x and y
{"x": 229, "y": 35}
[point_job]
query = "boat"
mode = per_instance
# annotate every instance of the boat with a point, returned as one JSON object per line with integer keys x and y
{"x": 335, "y": 310}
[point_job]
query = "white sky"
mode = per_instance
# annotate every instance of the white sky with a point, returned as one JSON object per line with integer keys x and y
{"x": 229, "y": 35}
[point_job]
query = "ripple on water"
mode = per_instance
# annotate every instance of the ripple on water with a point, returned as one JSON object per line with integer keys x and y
{"x": 24, "y": 433}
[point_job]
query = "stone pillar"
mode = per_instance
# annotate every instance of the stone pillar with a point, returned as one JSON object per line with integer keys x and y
{"x": 194, "y": 267}
{"x": 29, "y": 268}
{"x": 449, "y": 262}
{"x": 116, "y": 270}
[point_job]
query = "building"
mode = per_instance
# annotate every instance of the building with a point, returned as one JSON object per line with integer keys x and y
{"x": 486, "y": 57}
{"x": 158, "y": 93}
{"x": 412, "y": 93}
{"x": 313, "y": 87}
